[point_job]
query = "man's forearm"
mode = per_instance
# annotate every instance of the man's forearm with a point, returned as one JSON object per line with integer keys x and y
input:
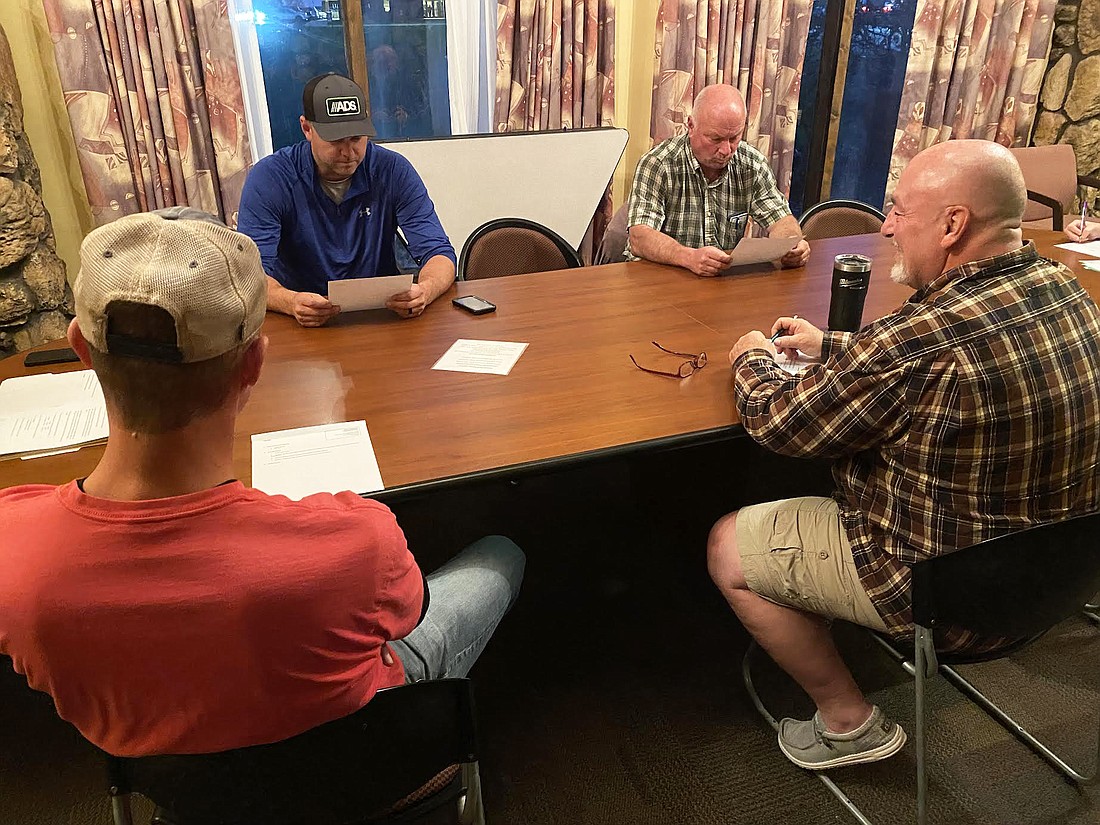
{"x": 646, "y": 242}
{"x": 436, "y": 276}
{"x": 785, "y": 228}
{"x": 279, "y": 298}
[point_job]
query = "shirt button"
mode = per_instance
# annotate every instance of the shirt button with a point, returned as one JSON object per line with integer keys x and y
{"x": 823, "y": 554}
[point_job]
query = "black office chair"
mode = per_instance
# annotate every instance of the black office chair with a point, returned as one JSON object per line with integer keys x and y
{"x": 514, "y": 246}
{"x": 1017, "y": 586}
{"x": 408, "y": 752}
{"x": 839, "y": 218}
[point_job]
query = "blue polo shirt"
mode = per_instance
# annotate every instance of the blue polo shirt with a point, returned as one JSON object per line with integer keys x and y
{"x": 306, "y": 240}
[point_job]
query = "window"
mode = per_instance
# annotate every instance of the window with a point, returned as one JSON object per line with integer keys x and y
{"x": 407, "y": 69}
{"x": 878, "y": 52}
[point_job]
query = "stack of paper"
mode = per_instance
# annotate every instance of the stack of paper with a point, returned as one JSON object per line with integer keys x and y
{"x": 44, "y": 413}
{"x": 1091, "y": 248}
{"x": 327, "y": 458}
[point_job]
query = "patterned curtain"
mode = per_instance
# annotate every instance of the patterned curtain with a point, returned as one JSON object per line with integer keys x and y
{"x": 555, "y": 70}
{"x": 975, "y": 70}
{"x": 756, "y": 45}
{"x": 154, "y": 100}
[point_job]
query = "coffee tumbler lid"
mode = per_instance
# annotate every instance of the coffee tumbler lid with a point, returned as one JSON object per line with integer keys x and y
{"x": 852, "y": 262}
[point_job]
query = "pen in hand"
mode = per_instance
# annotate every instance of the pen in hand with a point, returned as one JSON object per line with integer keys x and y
{"x": 781, "y": 332}
{"x": 1084, "y": 214}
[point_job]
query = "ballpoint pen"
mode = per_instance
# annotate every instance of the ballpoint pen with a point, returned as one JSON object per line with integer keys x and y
{"x": 782, "y": 332}
{"x": 1084, "y": 214}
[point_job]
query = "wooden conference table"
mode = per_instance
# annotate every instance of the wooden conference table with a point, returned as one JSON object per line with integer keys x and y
{"x": 574, "y": 394}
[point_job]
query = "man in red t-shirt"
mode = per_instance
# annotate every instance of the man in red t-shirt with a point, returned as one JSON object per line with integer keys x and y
{"x": 166, "y": 607}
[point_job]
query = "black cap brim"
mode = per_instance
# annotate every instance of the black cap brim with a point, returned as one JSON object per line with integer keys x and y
{"x": 349, "y": 128}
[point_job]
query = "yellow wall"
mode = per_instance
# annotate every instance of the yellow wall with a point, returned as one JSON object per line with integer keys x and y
{"x": 635, "y": 31}
{"x": 46, "y": 124}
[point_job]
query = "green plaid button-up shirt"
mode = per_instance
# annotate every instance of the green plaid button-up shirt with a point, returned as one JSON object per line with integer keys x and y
{"x": 970, "y": 412}
{"x": 671, "y": 195}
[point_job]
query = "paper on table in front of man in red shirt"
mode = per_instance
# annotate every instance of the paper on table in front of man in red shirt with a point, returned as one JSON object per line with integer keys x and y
{"x": 327, "y": 458}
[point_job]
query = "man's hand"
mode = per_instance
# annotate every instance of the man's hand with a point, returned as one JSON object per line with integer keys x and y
{"x": 708, "y": 261}
{"x": 797, "y": 256}
{"x": 750, "y": 340}
{"x": 312, "y": 310}
{"x": 797, "y": 334}
{"x": 1082, "y": 231}
{"x": 410, "y": 303}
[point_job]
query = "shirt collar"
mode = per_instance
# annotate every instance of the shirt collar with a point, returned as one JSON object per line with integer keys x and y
{"x": 994, "y": 265}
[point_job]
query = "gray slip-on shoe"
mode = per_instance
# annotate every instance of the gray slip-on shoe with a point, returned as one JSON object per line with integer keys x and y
{"x": 809, "y": 745}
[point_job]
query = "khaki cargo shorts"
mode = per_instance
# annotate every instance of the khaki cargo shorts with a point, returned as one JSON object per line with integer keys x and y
{"x": 795, "y": 553}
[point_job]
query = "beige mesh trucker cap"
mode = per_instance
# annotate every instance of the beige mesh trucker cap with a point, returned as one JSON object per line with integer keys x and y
{"x": 202, "y": 273}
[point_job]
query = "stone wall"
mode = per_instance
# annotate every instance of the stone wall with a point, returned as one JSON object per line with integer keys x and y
{"x": 1069, "y": 107}
{"x": 36, "y": 302}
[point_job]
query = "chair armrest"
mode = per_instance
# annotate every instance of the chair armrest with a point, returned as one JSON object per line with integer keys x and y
{"x": 1054, "y": 204}
{"x": 1088, "y": 180}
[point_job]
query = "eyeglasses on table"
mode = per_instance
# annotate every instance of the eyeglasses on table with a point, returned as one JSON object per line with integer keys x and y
{"x": 688, "y": 367}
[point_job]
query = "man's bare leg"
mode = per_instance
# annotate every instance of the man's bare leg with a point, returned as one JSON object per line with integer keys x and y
{"x": 799, "y": 642}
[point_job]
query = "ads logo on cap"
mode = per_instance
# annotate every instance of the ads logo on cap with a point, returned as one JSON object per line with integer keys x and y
{"x": 342, "y": 106}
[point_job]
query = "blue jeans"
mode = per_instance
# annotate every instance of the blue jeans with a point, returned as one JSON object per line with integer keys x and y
{"x": 469, "y": 596}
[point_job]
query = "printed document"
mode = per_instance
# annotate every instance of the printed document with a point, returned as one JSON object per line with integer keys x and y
{"x": 758, "y": 250}
{"x": 351, "y": 294}
{"x": 796, "y": 365}
{"x": 327, "y": 458}
{"x": 1092, "y": 248}
{"x": 42, "y": 413}
{"x": 487, "y": 357}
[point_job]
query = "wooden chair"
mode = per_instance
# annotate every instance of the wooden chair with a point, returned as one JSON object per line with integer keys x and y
{"x": 839, "y": 218}
{"x": 514, "y": 246}
{"x": 1015, "y": 586}
{"x": 407, "y": 753}
{"x": 1050, "y": 174}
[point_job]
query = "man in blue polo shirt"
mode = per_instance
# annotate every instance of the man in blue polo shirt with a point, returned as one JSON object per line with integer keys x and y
{"x": 329, "y": 207}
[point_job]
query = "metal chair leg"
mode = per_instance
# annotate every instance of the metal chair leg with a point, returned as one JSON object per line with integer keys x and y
{"x": 746, "y": 675}
{"x": 120, "y": 809}
{"x": 1006, "y": 721}
{"x": 471, "y": 809}
{"x": 922, "y": 646}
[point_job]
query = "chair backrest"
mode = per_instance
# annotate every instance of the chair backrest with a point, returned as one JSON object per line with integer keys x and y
{"x": 1019, "y": 585}
{"x": 839, "y": 218}
{"x": 514, "y": 246}
{"x": 348, "y": 770}
{"x": 1051, "y": 171}
{"x": 612, "y": 249}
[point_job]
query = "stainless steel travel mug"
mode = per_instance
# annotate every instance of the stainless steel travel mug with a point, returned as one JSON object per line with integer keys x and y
{"x": 851, "y": 276}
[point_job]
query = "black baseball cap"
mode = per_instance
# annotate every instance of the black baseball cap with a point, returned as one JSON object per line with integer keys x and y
{"x": 336, "y": 107}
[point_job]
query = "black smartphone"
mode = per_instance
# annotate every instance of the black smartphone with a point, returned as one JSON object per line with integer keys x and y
{"x": 474, "y": 305}
{"x": 49, "y": 356}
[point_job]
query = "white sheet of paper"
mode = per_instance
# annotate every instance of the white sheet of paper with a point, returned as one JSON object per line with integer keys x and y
{"x": 50, "y": 411}
{"x": 487, "y": 357}
{"x": 1093, "y": 265}
{"x": 1091, "y": 248}
{"x": 796, "y": 365}
{"x": 351, "y": 294}
{"x": 758, "y": 250}
{"x": 327, "y": 458}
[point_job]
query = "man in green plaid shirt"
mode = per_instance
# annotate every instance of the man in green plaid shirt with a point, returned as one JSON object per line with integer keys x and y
{"x": 694, "y": 195}
{"x": 971, "y": 412}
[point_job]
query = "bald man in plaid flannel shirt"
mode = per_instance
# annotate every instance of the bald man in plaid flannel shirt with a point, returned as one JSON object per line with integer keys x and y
{"x": 970, "y": 412}
{"x": 694, "y": 195}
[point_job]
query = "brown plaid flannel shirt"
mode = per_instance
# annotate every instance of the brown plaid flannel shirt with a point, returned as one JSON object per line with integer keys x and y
{"x": 970, "y": 412}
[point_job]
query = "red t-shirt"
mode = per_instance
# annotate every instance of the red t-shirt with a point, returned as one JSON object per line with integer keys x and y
{"x": 202, "y": 622}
